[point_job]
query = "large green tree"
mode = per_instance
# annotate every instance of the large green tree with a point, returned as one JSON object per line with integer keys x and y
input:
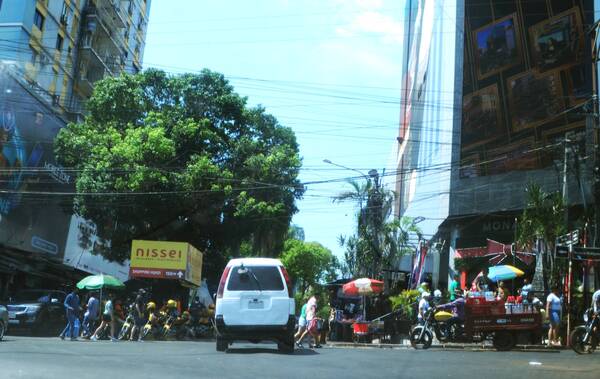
{"x": 182, "y": 158}
{"x": 308, "y": 263}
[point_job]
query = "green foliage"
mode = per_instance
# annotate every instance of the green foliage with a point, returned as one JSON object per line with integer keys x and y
{"x": 182, "y": 158}
{"x": 308, "y": 263}
{"x": 543, "y": 218}
{"x": 379, "y": 239}
{"x": 405, "y": 302}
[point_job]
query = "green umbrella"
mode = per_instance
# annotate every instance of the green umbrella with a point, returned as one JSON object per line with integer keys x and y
{"x": 95, "y": 282}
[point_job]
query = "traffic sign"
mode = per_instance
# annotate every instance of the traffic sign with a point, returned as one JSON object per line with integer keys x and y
{"x": 579, "y": 253}
{"x": 569, "y": 238}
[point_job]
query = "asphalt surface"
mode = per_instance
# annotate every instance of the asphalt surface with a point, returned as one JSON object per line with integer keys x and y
{"x": 28, "y": 357}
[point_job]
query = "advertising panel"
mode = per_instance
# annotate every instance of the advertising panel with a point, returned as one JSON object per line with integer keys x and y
{"x": 165, "y": 260}
{"x": 82, "y": 251}
{"x": 193, "y": 271}
{"x": 497, "y": 47}
{"x": 32, "y": 216}
{"x": 517, "y": 103}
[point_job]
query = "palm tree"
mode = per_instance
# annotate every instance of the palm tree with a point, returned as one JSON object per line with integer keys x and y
{"x": 379, "y": 239}
{"x": 543, "y": 218}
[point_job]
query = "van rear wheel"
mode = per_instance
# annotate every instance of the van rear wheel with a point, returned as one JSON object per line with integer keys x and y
{"x": 222, "y": 344}
{"x": 286, "y": 345}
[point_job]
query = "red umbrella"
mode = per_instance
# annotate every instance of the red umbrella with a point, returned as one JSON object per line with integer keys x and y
{"x": 363, "y": 287}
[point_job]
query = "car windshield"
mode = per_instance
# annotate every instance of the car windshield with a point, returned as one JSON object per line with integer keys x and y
{"x": 266, "y": 278}
{"x": 32, "y": 296}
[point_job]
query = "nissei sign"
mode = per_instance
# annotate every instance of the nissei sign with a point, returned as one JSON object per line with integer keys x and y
{"x": 166, "y": 260}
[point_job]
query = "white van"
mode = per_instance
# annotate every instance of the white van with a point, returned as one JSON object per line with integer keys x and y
{"x": 255, "y": 303}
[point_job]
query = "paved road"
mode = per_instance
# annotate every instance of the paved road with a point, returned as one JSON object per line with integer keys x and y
{"x": 26, "y": 357}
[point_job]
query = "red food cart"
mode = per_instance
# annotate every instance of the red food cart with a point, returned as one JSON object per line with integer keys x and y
{"x": 508, "y": 324}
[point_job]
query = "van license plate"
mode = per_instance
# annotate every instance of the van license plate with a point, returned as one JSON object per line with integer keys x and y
{"x": 255, "y": 304}
{"x": 12, "y": 314}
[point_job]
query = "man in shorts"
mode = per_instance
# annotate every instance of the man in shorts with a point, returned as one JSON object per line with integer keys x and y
{"x": 138, "y": 315}
{"x": 554, "y": 311}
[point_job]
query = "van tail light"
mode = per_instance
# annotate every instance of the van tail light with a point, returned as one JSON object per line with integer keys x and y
{"x": 222, "y": 282}
{"x": 287, "y": 281}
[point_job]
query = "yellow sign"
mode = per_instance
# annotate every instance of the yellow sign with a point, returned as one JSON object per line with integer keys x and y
{"x": 159, "y": 254}
{"x": 193, "y": 271}
{"x": 166, "y": 260}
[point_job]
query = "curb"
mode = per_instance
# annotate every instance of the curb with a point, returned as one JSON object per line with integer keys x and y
{"x": 468, "y": 347}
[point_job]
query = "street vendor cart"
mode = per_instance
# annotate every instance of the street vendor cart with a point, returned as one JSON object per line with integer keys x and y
{"x": 507, "y": 324}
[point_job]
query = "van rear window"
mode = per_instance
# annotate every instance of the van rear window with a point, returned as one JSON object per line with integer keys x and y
{"x": 266, "y": 278}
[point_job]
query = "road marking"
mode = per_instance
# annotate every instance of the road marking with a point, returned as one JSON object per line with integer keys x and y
{"x": 534, "y": 363}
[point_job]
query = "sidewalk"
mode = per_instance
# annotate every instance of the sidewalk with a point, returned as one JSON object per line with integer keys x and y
{"x": 448, "y": 346}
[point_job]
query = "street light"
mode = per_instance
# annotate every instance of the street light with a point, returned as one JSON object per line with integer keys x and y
{"x": 372, "y": 173}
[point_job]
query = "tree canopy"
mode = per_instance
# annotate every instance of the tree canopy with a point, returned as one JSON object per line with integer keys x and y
{"x": 308, "y": 263}
{"x": 182, "y": 158}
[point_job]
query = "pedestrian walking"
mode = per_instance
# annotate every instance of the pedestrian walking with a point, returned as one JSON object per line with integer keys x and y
{"x": 139, "y": 311}
{"x": 301, "y": 326}
{"x": 71, "y": 304}
{"x": 108, "y": 319}
{"x": 91, "y": 314}
{"x": 312, "y": 322}
{"x": 553, "y": 310}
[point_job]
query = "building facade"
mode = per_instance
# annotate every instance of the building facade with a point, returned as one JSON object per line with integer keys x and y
{"x": 64, "y": 46}
{"x": 51, "y": 54}
{"x": 520, "y": 73}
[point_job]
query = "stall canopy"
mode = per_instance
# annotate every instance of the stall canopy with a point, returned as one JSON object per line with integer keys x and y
{"x": 166, "y": 260}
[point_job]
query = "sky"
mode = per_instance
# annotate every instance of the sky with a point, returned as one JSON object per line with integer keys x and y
{"x": 329, "y": 69}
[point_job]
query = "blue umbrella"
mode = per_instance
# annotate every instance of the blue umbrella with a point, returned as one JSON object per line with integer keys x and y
{"x": 504, "y": 272}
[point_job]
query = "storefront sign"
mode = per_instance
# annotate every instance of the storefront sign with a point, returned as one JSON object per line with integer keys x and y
{"x": 166, "y": 260}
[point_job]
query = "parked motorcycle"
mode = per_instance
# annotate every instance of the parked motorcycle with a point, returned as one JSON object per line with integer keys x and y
{"x": 127, "y": 326}
{"x": 201, "y": 323}
{"x": 585, "y": 338}
{"x": 421, "y": 336}
{"x": 175, "y": 326}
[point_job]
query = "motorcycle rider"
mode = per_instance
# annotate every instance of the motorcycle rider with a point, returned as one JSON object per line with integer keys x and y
{"x": 457, "y": 307}
{"x": 423, "y": 307}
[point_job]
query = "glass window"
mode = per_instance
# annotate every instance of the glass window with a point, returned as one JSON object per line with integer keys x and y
{"x": 59, "y": 42}
{"x": 265, "y": 278}
{"x": 38, "y": 20}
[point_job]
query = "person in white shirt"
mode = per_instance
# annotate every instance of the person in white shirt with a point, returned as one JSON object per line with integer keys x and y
{"x": 554, "y": 311}
{"x": 423, "y": 306}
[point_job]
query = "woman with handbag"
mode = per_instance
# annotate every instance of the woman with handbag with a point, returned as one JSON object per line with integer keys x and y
{"x": 312, "y": 322}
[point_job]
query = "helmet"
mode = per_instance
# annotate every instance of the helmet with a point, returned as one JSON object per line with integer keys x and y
{"x": 437, "y": 293}
{"x": 185, "y": 315}
{"x": 171, "y": 303}
{"x": 151, "y": 305}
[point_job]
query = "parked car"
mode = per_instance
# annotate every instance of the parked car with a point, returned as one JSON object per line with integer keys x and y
{"x": 37, "y": 311}
{"x": 255, "y": 303}
{"x": 3, "y": 321}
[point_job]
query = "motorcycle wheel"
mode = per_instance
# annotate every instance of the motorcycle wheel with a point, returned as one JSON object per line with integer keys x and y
{"x": 144, "y": 332}
{"x": 417, "y": 341}
{"x": 123, "y": 332}
{"x": 577, "y": 341}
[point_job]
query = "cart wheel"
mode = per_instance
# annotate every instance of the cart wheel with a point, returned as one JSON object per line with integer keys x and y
{"x": 504, "y": 341}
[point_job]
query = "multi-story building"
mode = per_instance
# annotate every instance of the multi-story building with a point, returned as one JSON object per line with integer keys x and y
{"x": 64, "y": 46}
{"x": 491, "y": 90}
{"x": 51, "y": 54}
